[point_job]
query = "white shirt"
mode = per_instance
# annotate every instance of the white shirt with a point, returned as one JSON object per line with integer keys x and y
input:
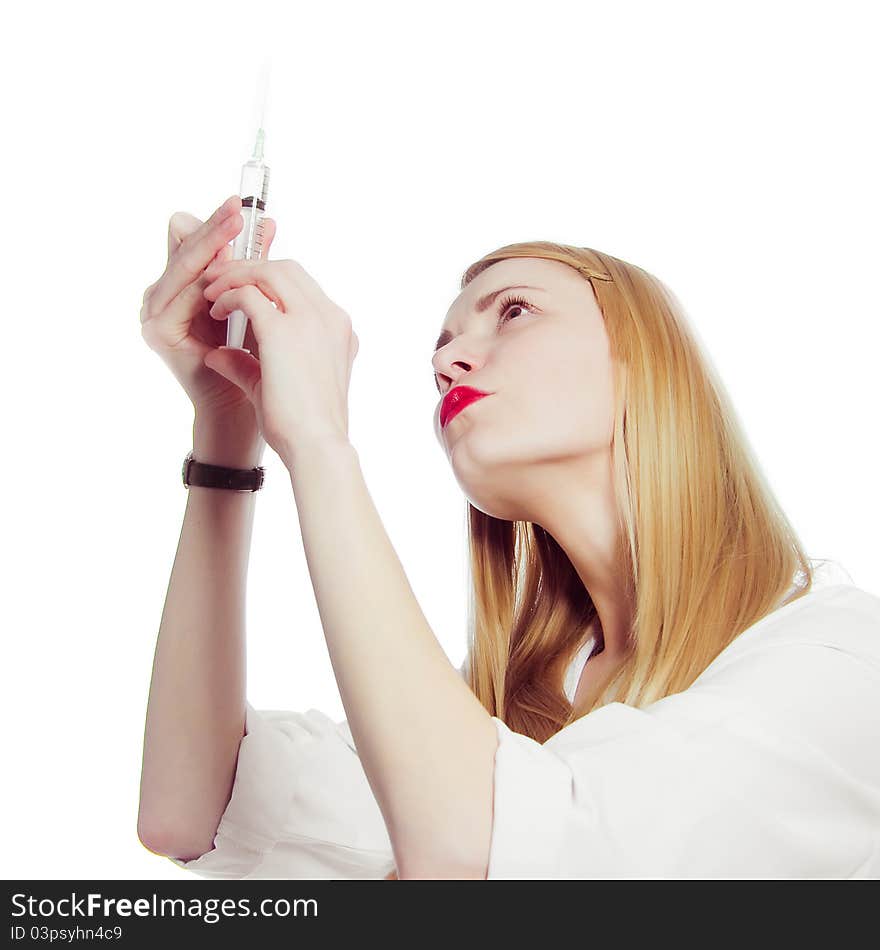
{"x": 767, "y": 766}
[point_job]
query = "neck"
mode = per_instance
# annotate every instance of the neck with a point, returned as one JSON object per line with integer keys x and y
{"x": 582, "y": 518}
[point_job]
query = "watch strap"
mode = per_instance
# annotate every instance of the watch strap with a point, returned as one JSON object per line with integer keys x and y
{"x": 205, "y": 475}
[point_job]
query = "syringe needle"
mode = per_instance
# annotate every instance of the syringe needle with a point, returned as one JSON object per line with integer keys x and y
{"x": 266, "y": 74}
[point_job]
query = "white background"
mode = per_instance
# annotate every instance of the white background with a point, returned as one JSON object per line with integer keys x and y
{"x": 728, "y": 148}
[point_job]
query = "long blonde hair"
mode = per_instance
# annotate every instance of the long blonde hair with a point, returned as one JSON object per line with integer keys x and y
{"x": 707, "y": 551}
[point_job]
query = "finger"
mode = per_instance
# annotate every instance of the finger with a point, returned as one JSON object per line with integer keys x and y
{"x": 222, "y": 256}
{"x": 268, "y": 237}
{"x": 270, "y": 277}
{"x": 252, "y": 302}
{"x": 308, "y": 287}
{"x": 225, "y": 254}
{"x": 237, "y": 366}
{"x": 354, "y": 347}
{"x": 195, "y": 252}
{"x": 180, "y": 225}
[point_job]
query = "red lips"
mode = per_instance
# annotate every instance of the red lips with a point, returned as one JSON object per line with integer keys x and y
{"x": 456, "y": 399}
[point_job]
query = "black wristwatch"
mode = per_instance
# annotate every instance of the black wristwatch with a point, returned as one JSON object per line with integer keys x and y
{"x": 203, "y": 475}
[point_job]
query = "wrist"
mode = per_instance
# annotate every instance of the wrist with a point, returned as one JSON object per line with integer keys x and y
{"x": 227, "y": 440}
{"x": 317, "y": 449}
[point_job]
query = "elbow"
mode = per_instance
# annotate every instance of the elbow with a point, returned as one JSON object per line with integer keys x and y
{"x": 150, "y": 834}
{"x": 457, "y": 855}
{"x": 172, "y": 834}
{"x": 171, "y": 843}
{"x": 438, "y": 869}
{"x": 153, "y": 839}
{"x": 439, "y": 864}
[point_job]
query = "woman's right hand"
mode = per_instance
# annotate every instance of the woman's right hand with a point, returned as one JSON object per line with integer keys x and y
{"x": 175, "y": 318}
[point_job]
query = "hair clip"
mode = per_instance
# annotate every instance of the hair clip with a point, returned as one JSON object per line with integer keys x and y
{"x": 592, "y": 274}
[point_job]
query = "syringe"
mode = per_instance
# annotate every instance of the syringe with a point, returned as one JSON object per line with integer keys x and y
{"x": 248, "y": 244}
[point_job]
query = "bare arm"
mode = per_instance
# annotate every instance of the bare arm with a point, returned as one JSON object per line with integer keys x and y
{"x": 426, "y": 743}
{"x": 196, "y": 709}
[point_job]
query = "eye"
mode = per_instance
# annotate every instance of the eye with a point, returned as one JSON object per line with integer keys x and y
{"x": 511, "y": 303}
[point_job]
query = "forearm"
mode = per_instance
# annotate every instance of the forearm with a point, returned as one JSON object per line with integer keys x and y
{"x": 196, "y": 708}
{"x": 427, "y": 745}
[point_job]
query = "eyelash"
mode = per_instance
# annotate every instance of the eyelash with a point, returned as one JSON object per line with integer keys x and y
{"x": 503, "y": 307}
{"x": 508, "y": 302}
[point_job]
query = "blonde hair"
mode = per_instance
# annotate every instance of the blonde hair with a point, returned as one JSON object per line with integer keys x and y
{"x": 706, "y": 552}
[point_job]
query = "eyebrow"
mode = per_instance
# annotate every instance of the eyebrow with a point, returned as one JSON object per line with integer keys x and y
{"x": 481, "y": 306}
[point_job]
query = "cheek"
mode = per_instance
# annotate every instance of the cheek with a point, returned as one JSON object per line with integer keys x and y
{"x": 570, "y": 394}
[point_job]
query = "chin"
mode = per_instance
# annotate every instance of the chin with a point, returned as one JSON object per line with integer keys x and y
{"x": 491, "y": 482}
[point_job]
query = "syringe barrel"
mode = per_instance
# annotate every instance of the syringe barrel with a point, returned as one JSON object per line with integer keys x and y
{"x": 248, "y": 243}
{"x": 254, "y": 193}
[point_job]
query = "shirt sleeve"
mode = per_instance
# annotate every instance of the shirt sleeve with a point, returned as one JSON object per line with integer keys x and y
{"x": 301, "y": 806}
{"x": 770, "y": 768}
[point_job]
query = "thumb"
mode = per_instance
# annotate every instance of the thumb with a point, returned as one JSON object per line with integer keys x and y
{"x": 238, "y": 366}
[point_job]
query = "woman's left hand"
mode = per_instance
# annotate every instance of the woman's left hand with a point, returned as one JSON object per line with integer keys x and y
{"x": 299, "y": 385}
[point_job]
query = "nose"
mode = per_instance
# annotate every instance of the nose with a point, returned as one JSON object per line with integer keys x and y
{"x": 452, "y": 361}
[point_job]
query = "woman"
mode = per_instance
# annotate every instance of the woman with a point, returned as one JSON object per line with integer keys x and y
{"x": 659, "y": 681}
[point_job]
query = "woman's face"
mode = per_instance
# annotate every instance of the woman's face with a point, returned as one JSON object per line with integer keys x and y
{"x": 547, "y": 364}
